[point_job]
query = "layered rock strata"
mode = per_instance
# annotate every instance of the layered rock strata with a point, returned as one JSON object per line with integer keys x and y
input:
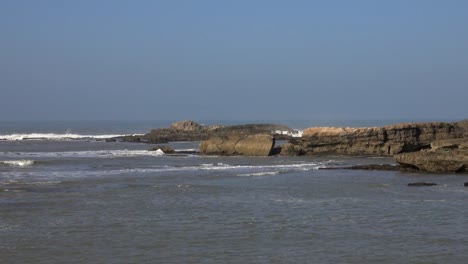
{"x": 245, "y": 145}
{"x": 444, "y": 156}
{"x": 379, "y": 141}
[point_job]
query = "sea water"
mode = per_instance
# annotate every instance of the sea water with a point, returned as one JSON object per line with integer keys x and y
{"x": 83, "y": 200}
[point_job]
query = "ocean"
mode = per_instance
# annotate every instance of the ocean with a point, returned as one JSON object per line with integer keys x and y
{"x": 68, "y": 196}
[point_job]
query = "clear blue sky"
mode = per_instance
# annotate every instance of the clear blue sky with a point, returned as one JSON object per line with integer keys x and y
{"x": 275, "y": 60}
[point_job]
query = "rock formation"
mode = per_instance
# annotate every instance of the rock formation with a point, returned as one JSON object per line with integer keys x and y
{"x": 432, "y": 146}
{"x": 235, "y": 144}
{"x": 186, "y": 126}
{"x": 380, "y": 141}
{"x": 192, "y": 131}
{"x": 444, "y": 156}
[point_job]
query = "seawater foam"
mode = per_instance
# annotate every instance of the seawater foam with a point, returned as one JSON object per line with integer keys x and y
{"x": 300, "y": 166}
{"x": 53, "y": 136}
{"x": 238, "y": 170}
{"x": 18, "y": 163}
{"x": 266, "y": 173}
{"x": 250, "y": 170}
{"x": 84, "y": 154}
{"x": 293, "y": 133}
{"x": 158, "y": 152}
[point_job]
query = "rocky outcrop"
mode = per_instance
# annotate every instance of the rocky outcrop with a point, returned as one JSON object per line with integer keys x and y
{"x": 380, "y": 141}
{"x": 192, "y": 131}
{"x": 444, "y": 156}
{"x": 246, "y": 145}
{"x": 449, "y": 144}
{"x": 292, "y": 149}
{"x": 186, "y": 126}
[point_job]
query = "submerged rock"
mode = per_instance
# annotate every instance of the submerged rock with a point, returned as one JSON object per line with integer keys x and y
{"x": 379, "y": 167}
{"x": 247, "y": 145}
{"x": 421, "y": 184}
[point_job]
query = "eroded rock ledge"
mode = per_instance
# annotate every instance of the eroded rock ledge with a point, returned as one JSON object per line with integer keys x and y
{"x": 431, "y": 146}
{"x": 377, "y": 141}
{"x": 444, "y": 156}
{"x": 245, "y": 145}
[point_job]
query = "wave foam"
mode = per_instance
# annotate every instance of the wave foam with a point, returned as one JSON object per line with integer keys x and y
{"x": 17, "y": 163}
{"x": 53, "y": 136}
{"x": 158, "y": 152}
{"x": 266, "y": 173}
{"x": 84, "y": 154}
{"x": 292, "y": 133}
{"x": 236, "y": 170}
{"x": 301, "y": 166}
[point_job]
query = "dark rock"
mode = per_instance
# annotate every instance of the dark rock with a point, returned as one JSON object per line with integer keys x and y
{"x": 290, "y": 149}
{"x": 421, "y": 184}
{"x": 246, "y": 145}
{"x": 132, "y": 139}
{"x": 187, "y": 152}
{"x": 276, "y": 151}
{"x": 465, "y": 184}
{"x": 380, "y": 167}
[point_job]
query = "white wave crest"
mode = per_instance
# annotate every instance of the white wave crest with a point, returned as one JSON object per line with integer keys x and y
{"x": 266, "y": 173}
{"x": 158, "y": 152}
{"x": 83, "y": 154}
{"x": 17, "y": 163}
{"x": 300, "y": 166}
{"x": 237, "y": 170}
{"x": 292, "y": 133}
{"x": 53, "y": 136}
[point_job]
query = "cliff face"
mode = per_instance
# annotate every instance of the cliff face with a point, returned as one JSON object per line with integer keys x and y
{"x": 381, "y": 141}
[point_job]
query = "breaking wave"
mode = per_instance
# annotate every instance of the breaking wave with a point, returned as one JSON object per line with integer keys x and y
{"x": 235, "y": 170}
{"x": 266, "y": 173}
{"x": 84, "y": 154}
{"x": 53, "y": 136}
{"x": 17, "y": 163}
{"x": 300, "y": 166}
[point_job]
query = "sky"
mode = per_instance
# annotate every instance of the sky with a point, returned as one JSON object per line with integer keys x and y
{"x": 239, "y": 60}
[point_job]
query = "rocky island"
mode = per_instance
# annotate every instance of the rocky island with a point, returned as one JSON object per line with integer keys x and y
{"x": 193, "y": 131}
{"x": 429, "y": 146}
